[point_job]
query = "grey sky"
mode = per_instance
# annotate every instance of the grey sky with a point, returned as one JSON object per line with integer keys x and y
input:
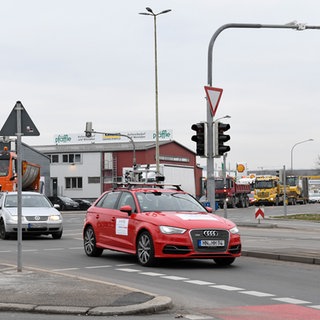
{"x": 74, "y": 61}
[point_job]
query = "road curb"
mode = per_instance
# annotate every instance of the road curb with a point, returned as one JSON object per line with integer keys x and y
{"x": 281, "y": 257}
{"x": 157, "y": 304}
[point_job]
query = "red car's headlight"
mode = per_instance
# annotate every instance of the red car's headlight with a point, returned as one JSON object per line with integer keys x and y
{"x": 171, "y": 230}
{"x": 234, "y": 230}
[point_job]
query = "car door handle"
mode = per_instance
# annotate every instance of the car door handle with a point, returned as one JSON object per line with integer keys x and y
{"x": 97, "y": 216}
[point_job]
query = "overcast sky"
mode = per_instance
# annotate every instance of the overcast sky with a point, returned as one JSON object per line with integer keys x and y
{"x": 74, "y": 61}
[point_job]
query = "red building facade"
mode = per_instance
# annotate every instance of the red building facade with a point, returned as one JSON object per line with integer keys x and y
{"x": 170, "y": 152}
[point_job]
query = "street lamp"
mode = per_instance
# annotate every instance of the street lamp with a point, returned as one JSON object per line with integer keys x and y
{"x": 210, "y": 159}
{"x": 89, "y": 131}
{"x": 154, "y": 15}
{"x": 294, "y": 147}
{"x": 224, "y": 117}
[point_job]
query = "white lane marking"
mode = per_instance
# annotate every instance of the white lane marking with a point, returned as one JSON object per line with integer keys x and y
{"x": 30, "y": 250}
{"x": 64, "y": 269}
{"x": 291, "y": 300}
{"x": 174, "y": 278}
{"x": 153, "y": 274}
{"x": 226, "y": 287}
{"x": 196, "y": 317}
{"x": 258, "y": 293}
{"x": 128, "y": 270}
{"x": 315, "y": 307}
{"x": 75, "y": 248}
{"x": 125, "y": 265}
{"x": 98, "y": 267}
{"x": 199, "y": 282}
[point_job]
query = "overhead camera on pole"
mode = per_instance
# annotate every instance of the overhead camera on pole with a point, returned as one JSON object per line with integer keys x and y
{"x": 220, "y": 138}
{"x": 200, "y": 138}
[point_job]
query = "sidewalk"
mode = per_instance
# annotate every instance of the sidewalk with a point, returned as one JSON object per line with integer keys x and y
{"x": 34, "y": 290}
{"x": 282, "y": 240}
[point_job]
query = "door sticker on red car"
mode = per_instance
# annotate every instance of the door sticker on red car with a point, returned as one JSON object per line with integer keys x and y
{"x": 122, "y": 226}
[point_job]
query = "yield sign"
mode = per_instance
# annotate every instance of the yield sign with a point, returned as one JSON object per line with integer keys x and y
{"x": 259, "y": 213}
{"x": 213, "y": 95}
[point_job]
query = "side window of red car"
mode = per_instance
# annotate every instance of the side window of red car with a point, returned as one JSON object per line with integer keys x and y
{"x": 126, "y": 199}
{"x": 108, "y": 200}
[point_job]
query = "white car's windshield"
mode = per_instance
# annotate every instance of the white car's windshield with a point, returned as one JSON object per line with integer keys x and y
{"x": 27, "y": 201}
{"x": 167, "y": 201}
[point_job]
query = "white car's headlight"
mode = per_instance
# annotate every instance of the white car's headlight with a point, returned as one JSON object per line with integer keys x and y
{"x": 234, "y": 230}
{"x": 13, "y": 219}
{"x": 171, "y": 230}
{"x": 54, "y": 218}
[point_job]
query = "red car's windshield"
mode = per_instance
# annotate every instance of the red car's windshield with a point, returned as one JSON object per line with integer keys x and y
{"x": 167, "y": 201}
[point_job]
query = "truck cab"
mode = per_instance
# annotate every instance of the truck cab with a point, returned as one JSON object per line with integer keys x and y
{"x": 268, "y": 191}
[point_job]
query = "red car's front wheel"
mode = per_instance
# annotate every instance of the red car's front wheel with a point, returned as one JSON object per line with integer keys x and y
{"x": 145, "y": 249}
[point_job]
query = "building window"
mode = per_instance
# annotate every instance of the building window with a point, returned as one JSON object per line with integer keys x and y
{"x": 74, "y": 183}
{"x": 54, "y": 158}
{"x": 108, "y": 160}
{"x": 93, "y": 179}
{"x": 71, "y": 158}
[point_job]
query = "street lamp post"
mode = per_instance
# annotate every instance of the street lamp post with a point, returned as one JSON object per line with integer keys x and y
{"x": 210, "y": 120}
{"x": 294, "y": 147}
{"x": 154, "y": 15}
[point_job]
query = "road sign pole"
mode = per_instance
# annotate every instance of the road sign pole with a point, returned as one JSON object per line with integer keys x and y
{"x": 19, "y": 108}
{"x": 17, "y": 124}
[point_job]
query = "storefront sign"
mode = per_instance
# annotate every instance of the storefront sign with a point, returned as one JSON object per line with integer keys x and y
{"x": 80, "y": 138}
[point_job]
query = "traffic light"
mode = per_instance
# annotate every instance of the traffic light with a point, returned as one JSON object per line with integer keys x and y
{"x": 200, "y": 138}
{"x": 88, "y": 130}
{"x": 220, "y": 138}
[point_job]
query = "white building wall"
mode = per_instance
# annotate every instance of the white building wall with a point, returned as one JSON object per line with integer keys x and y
{"x": 89, "y": 167}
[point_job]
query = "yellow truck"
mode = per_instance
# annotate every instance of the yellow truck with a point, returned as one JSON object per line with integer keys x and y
{"x": 297, "y": 190}
{"x": 268, "y": 190}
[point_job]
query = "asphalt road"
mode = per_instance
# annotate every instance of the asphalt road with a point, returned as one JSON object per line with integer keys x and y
{"x": 198, "y": 288}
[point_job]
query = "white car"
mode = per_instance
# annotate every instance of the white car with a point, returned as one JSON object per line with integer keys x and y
{"x": 314, "y": 197}
{"x": 38, "y": 215}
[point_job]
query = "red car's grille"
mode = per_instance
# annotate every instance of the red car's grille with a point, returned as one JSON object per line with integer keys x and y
{"x": 210, "y": 240}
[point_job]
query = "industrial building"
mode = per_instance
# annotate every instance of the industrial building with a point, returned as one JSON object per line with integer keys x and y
{"x": 83, "y": 167}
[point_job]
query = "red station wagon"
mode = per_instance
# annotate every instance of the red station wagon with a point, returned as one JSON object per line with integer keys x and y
{"x": 153, "y": 221}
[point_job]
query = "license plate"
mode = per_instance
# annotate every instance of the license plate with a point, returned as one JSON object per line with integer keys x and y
{"x": 210, "y": 243}
{"x": 35, "y": 225}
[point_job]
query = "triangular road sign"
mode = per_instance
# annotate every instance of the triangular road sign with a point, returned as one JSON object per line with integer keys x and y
{"x": 27, "y": 126}
{"x": 214, "y": 96}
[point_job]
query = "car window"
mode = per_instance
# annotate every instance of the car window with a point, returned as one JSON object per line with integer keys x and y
{"x": 167, "y": 201}
{"x": 108, "y": 200}
{"x": 11, "y": 201}
{"x": 27, "y": 201}
{"x": 126, "y": 199}
{"x": 35, "y": 201}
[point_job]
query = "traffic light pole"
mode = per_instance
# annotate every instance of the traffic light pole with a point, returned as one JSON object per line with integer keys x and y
{"x": 210, "y": 118}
